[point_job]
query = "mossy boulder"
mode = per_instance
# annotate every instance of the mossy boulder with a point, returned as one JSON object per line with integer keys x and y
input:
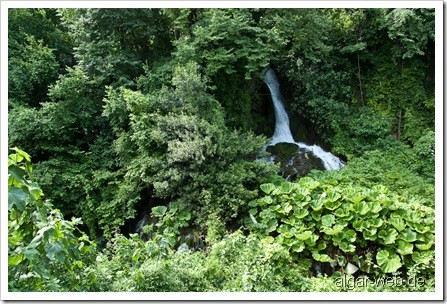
{"x": 294, "y": 161}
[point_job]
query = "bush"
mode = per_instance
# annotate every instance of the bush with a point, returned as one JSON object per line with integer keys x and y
{"x": 396, "y": 167}
{"x": 177, "y": 148}
{"x": 45, "y": 252}
{"x": 362, "y": 130}
{"x": 424, "y": 149}
{"x": 336, "y": 225}
{"x": 236, "y": 263}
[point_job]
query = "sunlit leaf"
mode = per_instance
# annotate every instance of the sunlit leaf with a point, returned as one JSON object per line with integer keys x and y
{"x": 408, "y": 235}
{"x": 361, "y": 208}
{"x": 327, "y": 220}
{"x": 354, "y": 196}
{"x": 375, "y": 207}
{"x": 334, "y": 230}
{"x": 332, "y": 205}
{"x": 284, "y": 188}
{"x": 388, "y": 236}
{"x": 267, "y": 188}
{"x": 303, "y": 236}
{"x": 35, "y": 191}
{"x": 398, "y": 223}
{"x": 370, "y": 234}
{"x": 404, "y": 248}
{"x": 424, "y": 246}
{"x": 15, "y": 259}
{"x": 266, "y": 200}
{"x": 159, "y": 211}
{"x": 316, "y": 204}
{"x": 388, "y": 261}
{"x": 345, "y": 247}
{"x": 298, "y": 247}
{"x": 300, "y": 213}
{"x": 375, "y": 222}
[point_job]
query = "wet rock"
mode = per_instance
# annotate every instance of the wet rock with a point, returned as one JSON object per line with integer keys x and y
{"x": 294, "y": 161}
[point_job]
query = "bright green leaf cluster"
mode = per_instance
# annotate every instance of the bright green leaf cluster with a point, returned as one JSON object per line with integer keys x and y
{"x": 326, "y": 223}
{"x": 45, "y": 252}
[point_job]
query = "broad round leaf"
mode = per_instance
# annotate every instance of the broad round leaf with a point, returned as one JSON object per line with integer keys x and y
{"x": 404, "y": 248}
{"x": 321, "y": 257}
{"x": 397, "y": 222}
{"x": 17, "y": 197}
{"x": 388, "y": 237}
{"x": 345, "y": 247}
{"x": 304, "y": 235}
{"x": 301, "y": 213}
{"x": 388, "y": 261}
{"x": 267, "y": 188}
{"x": 159, "y": 211}
{"x": 334, "y": 230}
{"x": 361, "y": 208}
{"x": 408, "y": 235}
{"x": 327, "y": 220}
{"x": 424, "y": 246}
{"x": 332, "y": 205}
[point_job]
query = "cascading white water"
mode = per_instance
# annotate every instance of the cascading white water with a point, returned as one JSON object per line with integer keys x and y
{"x": 282, "y": 126}
{"x": 141, "y": 223}
{"x": 330, "y": 161}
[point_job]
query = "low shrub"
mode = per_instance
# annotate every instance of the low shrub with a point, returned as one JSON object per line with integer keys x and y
{"x": 345, "y": 228}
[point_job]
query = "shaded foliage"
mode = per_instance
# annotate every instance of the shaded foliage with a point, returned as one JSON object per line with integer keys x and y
{"x": 113, "y": 44}
{"x": 38, "y": 50}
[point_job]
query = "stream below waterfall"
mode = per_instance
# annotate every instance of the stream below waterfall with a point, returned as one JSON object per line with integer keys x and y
{"x": 296, "y": 158}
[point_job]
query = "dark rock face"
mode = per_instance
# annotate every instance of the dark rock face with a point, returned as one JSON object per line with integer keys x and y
{"x": 294, "y": 161}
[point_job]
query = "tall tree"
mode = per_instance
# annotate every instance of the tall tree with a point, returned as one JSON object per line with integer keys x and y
{"x": 38, "y": 50}
{"x": 113, "y": 44}
{"x": 178, "y": 147}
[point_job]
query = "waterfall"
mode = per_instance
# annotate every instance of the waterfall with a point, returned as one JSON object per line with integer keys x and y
{"x": 282, "y": 132}
{"x": 330, "y": 161}
{"x": 282, "y": 125}
{"x": 141, "y": 223}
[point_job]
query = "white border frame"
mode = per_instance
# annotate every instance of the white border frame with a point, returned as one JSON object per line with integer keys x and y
{"x": 439, "y": 64}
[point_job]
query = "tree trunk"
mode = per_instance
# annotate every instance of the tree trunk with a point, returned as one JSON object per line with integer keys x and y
{"x": 360, "y": 79}
{"x": 399, "y": 122}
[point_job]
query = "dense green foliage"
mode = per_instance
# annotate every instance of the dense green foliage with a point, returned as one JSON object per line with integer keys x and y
{"x": 332, "y": 223}
{"x": 112, "y": 45}
{"x": 351, "y": 67}
{"x": 176, "y": 145}
{"x": 402, "y": 170}
{"x": 155, "y": 120}
{"x": 236, "y": 263}
{"x": 45, "y": 252}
